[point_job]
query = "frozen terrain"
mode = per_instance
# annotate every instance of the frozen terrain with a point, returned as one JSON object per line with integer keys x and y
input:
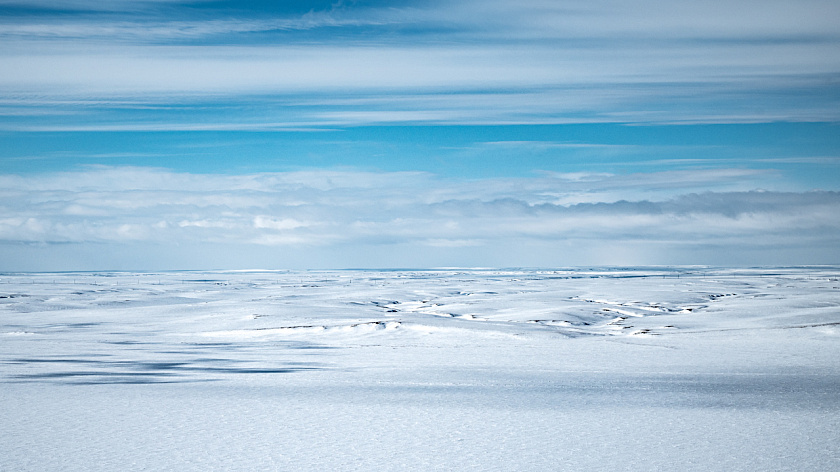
{"x": 601, "y": 369}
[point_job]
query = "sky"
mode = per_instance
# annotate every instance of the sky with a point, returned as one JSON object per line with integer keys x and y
{"x": 166, "y": 134}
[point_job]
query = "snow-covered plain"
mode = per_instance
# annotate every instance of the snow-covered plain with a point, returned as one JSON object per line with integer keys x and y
{"x": 585, "y": 369}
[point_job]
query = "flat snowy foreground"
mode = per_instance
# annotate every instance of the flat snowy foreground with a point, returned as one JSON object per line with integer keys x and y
{"x": 635, "y": 369}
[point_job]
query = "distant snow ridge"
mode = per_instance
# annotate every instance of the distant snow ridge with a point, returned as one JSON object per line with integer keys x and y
{"x": 263, "y": 305}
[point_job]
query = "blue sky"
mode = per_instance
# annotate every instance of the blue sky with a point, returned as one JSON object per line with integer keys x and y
{"x": 212, "y": 134}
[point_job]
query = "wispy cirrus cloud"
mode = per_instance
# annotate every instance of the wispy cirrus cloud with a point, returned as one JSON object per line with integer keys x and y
{"x": 454, "y": 63}
{"x": 497, "y": 19}
{"x": 92, "y": 5}
{"x": 156, "y": 31}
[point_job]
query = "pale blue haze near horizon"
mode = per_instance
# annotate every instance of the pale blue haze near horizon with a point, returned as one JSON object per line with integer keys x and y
{"x": 163, "y": 134}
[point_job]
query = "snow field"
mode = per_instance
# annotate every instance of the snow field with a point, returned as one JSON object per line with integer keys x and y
{"x": 635, "y": 369}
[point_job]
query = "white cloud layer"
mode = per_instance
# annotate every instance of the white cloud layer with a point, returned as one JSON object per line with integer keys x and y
{"x": 441, "y": 62}
{"x": 315, "y": 215}
{"x": 161, "y": 65}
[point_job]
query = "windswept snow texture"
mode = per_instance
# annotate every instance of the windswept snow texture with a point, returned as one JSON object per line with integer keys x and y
{"x": 586, "y": 369}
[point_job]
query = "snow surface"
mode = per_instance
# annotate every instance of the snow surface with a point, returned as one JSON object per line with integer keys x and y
{"x": 586, "y": 369}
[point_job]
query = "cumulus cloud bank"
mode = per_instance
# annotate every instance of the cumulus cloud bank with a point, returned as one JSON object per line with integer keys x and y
{"x": 324, "y": 213}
